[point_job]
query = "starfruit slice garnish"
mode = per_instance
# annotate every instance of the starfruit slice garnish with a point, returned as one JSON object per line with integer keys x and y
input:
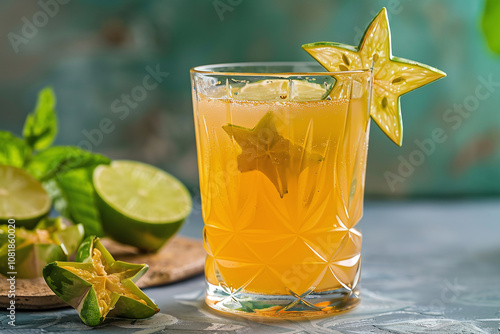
{"x": 51, "y": 240}
{"x": 265, "y": 150}
{"x": 392, "y": 76}
{"x": 97, "y": 286}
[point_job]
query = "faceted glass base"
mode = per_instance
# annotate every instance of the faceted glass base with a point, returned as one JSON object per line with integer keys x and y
{"x": 315, "y": 304}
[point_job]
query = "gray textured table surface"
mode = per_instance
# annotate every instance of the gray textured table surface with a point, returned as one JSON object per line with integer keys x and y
{"x": 428, "y": 267}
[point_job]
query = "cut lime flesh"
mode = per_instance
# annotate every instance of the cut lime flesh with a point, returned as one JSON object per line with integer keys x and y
{"x": 22, "y": 197}
{"x": 142, "y": 192}
{"x": 139, "y": 204}
{"x": 282, "y": 90}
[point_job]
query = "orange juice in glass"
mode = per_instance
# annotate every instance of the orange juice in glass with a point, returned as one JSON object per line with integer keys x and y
{"x": 282, "y": 156}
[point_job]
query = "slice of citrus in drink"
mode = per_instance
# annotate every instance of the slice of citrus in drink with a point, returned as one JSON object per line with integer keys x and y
{"x": 282, "y": 90}
{"x": 392, "y": 76}
{"x": 140, "y": 205}
{"x": 22, "y": 197}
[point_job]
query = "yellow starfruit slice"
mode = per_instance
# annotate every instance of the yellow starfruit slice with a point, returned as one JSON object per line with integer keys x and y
{"x": 392, "y": 76}
{"x": 264, "y": 149}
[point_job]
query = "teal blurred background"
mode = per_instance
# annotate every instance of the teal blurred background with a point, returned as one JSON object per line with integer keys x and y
{"x": 92, "y": 52}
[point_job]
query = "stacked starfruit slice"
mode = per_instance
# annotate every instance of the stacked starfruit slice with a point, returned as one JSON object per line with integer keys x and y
{"x": 51, "y": 240}
{"x": 97, "y": 286}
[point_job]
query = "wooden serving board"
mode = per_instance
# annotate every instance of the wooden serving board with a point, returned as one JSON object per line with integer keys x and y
{"x": 180, "y": 258}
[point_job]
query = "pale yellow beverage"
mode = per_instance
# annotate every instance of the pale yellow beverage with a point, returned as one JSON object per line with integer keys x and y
{"x": 282, "y": 188}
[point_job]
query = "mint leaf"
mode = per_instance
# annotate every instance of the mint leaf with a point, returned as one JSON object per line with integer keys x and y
{"x": 489, "y": 23}
{"x": 74, "y": 198}
{"x": 59, "y": 159}
{"x": 66, "y": 173}
{"x": 13, "y": 150}
{"x": 40, "y": 127}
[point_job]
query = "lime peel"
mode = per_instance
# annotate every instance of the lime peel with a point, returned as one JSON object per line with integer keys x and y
{"x": 139, "y": 204}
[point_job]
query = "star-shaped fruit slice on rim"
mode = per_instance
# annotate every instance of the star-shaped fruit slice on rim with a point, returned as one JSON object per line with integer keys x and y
{"x": 265, "y": 150}
{"x": 97, "y": 286}
{"x": 392, "y": 76}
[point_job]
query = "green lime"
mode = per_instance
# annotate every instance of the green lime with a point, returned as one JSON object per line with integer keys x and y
{"x": 281, "y": 90}
{"x": 140, "y": 205}
{"x": 22, "y": 197}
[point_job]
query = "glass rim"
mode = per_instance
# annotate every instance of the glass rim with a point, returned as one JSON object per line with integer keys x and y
{"x": 212, "y": 69}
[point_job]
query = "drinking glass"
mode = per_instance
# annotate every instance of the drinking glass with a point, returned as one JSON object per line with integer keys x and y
{"x": 282, "y": 157}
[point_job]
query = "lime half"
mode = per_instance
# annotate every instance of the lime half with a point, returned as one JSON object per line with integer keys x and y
{"x": 140, "y": 205}
{"x": 281, "y": 90}
{"x": 22, "y": 197}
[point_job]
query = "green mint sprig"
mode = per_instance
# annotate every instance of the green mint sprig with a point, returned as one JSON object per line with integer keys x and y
{"x": 40, "y": 128}
{"x": 65, "y": 171}
{"x": 13, "y": 150}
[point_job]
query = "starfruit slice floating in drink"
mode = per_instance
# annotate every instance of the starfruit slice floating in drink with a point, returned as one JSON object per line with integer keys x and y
{"x": 51, "y": 240}
{"x": 392, "y": 76}
{"x": 98, "y": 287}
{"x": 265, "y": 150}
